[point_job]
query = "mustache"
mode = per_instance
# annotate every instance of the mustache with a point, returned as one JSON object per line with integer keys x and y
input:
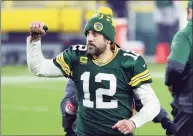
{"x": 91, "y": 44}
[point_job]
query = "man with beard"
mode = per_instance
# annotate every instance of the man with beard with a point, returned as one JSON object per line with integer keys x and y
{"x": 106, "y": 78}
{"x": 179, "y": 73}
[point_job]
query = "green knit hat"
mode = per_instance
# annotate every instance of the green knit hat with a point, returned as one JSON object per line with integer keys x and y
{"x": 190, "y": 4}
{"x": 103, "y": 23}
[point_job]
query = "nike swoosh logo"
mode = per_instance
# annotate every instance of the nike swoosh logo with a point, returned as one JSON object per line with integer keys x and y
{"x": 143, "y": 65}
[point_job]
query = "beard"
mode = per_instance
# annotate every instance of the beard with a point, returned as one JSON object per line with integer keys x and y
{"x": 94, "y": 50}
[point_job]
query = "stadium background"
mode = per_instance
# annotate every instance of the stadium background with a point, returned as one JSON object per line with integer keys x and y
{"x": 30, "y": 105}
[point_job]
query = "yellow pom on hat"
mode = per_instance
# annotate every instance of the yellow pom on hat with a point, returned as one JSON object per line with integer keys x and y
{"x": 105, "y": 10}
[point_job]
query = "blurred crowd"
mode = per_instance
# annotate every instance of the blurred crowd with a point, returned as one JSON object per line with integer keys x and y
{"x": 151, "y": 22}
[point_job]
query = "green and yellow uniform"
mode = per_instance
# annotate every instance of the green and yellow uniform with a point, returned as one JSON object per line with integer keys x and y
{"x": 105, "y": 91}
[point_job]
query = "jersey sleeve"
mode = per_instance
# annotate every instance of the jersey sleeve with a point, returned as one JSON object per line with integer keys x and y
{"x": 140, "y": 73}
{"x": 180, "y": 49}
{"x": 64, "y": 62}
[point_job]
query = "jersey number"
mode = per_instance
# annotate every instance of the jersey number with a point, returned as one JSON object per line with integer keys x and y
{"x": 132, "y": 54}
{"x": 100, "y": 91}
{"x": 79, "y": 47}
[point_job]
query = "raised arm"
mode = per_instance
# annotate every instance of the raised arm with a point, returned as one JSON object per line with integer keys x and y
{"x": 36, "y": 62}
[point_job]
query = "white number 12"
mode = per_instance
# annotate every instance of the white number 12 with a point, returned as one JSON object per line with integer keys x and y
{"x": 100, "y": 91}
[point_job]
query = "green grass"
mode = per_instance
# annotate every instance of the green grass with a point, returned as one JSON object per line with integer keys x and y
{"x": 18, "y": 109}
{"x": 34, "y": 108}
{"x": 17, "y": 70}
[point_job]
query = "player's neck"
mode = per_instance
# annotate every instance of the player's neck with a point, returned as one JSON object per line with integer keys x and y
{"x": 106, "y": 56}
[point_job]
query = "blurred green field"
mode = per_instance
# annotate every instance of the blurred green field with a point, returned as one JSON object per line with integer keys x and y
{"x": 31, "y": 105}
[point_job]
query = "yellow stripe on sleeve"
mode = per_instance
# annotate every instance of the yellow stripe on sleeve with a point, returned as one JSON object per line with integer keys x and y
{"x": 140, "y": 80}
{"x": 63, "y": 64}
{"x": 140, "y": 74}
{"x": 144, "y": 76}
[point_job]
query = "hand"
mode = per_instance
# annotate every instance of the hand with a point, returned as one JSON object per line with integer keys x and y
{"x": 124, "y": 126}
{"x": 70, "y": 108}
{"x": 36, "y": 30}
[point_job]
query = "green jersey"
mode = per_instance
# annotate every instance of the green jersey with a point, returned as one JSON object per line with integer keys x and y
{"x": 105, "y": 91}
{"x": 181, "y": 58}
{"x": 181, "y": 49}
{"x": 179, "y": 71}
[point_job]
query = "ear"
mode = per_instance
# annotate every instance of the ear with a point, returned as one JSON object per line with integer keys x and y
{"x": 108, "y": 41}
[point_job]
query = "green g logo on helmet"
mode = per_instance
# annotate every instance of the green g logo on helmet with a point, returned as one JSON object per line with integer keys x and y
{"x": 98, "y": 26}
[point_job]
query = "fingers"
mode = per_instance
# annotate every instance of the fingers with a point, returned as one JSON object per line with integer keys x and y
{"x": 122, "y": 129}
{"x": 37, "y": 27}
{"x": 41, "y": 30}
{"x": 127, "y": 132}
{"x": 34, "y": 27}
{"x": 124, "y": 126}
{"x": 117, "y": 125}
